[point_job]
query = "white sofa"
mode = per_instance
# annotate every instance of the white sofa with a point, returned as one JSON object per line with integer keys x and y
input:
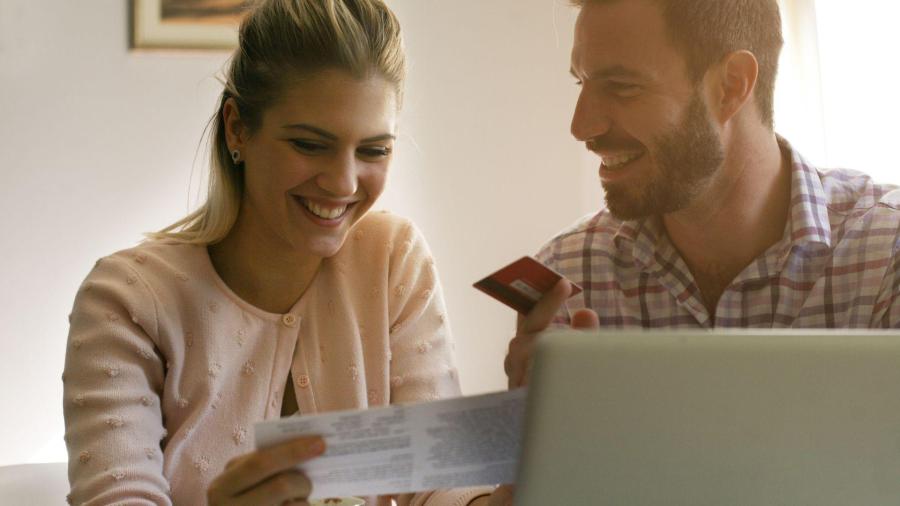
{"x": 34, "y": 484}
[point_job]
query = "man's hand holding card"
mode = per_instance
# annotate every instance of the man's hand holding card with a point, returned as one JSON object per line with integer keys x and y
{"x": 536, "y": 292}
{"x": 521, "y": 284}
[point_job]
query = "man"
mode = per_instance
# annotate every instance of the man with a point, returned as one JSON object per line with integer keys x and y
{"x": 711, "y": 219}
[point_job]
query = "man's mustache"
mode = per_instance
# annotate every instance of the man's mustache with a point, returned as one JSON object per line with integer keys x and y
{"x": 599, "y": 144}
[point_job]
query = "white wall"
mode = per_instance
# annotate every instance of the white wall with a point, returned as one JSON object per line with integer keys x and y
{"x": 488, "y": 168}
{"x": 97, "y": 145}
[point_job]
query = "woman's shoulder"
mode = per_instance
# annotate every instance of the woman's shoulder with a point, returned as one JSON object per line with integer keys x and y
{"x": 383, "y": 238}
{"x": 128, "y": 283}
{"x": 393, "y": 234}
{"x": 382, "y": 225}
{"x": 155, "y": 263}
{"x": 159, "y": 255}
{"x": 153, "y": 275}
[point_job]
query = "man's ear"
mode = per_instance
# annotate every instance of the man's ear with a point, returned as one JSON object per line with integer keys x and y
{"x": 235, "y": 130}
{"x": 734, "y": 79}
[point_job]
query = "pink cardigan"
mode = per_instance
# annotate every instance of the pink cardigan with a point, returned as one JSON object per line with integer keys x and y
{"x": 167, "y": 369}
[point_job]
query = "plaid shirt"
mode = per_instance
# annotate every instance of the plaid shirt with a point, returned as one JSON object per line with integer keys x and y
{"x": 835, "y": 266}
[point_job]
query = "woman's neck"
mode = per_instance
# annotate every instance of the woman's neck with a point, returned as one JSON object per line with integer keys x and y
{"x": 265, "y": 273}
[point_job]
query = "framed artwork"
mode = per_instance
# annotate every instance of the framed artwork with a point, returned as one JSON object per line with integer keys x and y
{"x": 185, "y": 24}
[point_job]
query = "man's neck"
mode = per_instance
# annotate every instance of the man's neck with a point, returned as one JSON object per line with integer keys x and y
{"x": 267, "y": 275}
{"x": 740, "y": 214}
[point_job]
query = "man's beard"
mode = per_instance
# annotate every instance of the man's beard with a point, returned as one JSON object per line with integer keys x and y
{"x": 685, "y": 157}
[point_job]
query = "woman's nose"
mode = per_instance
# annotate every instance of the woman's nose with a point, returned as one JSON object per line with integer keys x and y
{"x": 340, "y": 178}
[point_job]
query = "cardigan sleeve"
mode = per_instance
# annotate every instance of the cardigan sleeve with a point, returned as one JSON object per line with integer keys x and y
{"x": 422, "y": 365}
{"x": 112, "y": 386}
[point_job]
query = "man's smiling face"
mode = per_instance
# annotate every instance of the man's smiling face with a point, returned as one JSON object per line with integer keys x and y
{"x": 639, "y": 111}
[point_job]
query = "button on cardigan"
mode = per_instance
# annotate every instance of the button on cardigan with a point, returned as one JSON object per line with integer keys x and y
{"x": 167, "y": 369}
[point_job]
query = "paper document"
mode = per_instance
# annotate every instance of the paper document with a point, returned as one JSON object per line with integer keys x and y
{"x": 461, "y": 442}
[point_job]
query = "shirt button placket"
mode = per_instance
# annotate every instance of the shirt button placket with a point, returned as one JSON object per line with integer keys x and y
{"x": 289, "y": 320}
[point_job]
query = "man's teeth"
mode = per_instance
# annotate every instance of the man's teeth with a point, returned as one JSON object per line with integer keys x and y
{"x": 614, "y": 162}
{"x": 324, "y": 212}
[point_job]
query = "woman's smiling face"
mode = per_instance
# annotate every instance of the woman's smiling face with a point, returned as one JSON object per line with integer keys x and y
{"x": 317, "y": 161}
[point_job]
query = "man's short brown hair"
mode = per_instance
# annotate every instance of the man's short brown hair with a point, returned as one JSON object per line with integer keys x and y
{"x": 706, "y": 30}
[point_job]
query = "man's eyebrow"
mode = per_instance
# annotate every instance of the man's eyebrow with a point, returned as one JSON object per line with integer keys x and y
{"x": 610, "y": 72}
{"x": 332, "y": 137}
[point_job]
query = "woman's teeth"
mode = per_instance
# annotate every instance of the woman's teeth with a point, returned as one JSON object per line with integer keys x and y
{"x": 326, "y": 213}
{"x": 614, "y": 162}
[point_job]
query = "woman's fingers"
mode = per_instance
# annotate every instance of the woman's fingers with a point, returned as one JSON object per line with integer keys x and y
{"x": 502, "y": 496}
{"x": 251, "y": 470}
{"x": 288, "y": 487}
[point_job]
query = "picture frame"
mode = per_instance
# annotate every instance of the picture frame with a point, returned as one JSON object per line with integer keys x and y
{"x": 185, "y": 24}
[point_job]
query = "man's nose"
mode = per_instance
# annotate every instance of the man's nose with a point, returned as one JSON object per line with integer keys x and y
{"x": 591, "y": 117}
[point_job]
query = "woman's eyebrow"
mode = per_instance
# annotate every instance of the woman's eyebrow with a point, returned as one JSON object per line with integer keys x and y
{"x": 316, "y": 130}
{"x": 330, "y": 136}
{"x": 377, "y": 138}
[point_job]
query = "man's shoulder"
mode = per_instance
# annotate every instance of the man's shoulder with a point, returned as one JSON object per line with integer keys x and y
{"x": 861, "y": 209}
{"x": 592, "y": 232}
{"x": 850, "y": 190}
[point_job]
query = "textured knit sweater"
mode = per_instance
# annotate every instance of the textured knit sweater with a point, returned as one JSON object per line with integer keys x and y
{"x": 167, "y": 369}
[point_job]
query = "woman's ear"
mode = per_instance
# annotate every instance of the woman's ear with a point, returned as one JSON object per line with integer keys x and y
{"x": 734, "y": 81}
{"x": 235, "y": 130}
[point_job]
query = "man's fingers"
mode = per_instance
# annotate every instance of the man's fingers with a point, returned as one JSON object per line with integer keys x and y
{"x": 585, "y": 319}
{"x": 541, "y": 316}
{"x": 538, "y": 319}
{"x": 518, "y": 359}
{"x": 246, "y": 472}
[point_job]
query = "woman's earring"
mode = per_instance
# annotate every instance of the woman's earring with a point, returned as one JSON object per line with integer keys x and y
{"x": 236, "y": 156}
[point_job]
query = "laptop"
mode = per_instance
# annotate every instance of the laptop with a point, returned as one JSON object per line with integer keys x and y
{"x": 713, "y": 418}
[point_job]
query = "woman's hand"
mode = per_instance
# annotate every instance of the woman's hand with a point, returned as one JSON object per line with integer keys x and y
{"x": 502, "y": 496}
{"x": 267, "y": 477}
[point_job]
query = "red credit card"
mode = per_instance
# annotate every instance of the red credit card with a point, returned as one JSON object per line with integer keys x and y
{"x": 521, "y": 284}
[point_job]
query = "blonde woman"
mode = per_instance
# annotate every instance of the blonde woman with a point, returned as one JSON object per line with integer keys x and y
{"x": 280, "y": 294}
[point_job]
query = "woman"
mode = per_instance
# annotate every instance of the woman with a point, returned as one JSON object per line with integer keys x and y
{"x": 280, "y": 294}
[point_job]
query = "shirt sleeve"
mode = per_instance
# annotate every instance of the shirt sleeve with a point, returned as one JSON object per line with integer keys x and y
{"x": 112, "y": 384}
{"x": 422, "y": 363}
{"x": 886, "y": 312}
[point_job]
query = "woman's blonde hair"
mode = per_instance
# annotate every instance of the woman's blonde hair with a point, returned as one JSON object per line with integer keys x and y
{"x": 280, "y": 41}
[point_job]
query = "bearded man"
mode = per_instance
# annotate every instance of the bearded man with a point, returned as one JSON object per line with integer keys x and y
{"x": 712, "y": 220}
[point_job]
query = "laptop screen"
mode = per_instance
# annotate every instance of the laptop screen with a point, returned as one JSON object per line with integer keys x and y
{"x": 713, "y": 418}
